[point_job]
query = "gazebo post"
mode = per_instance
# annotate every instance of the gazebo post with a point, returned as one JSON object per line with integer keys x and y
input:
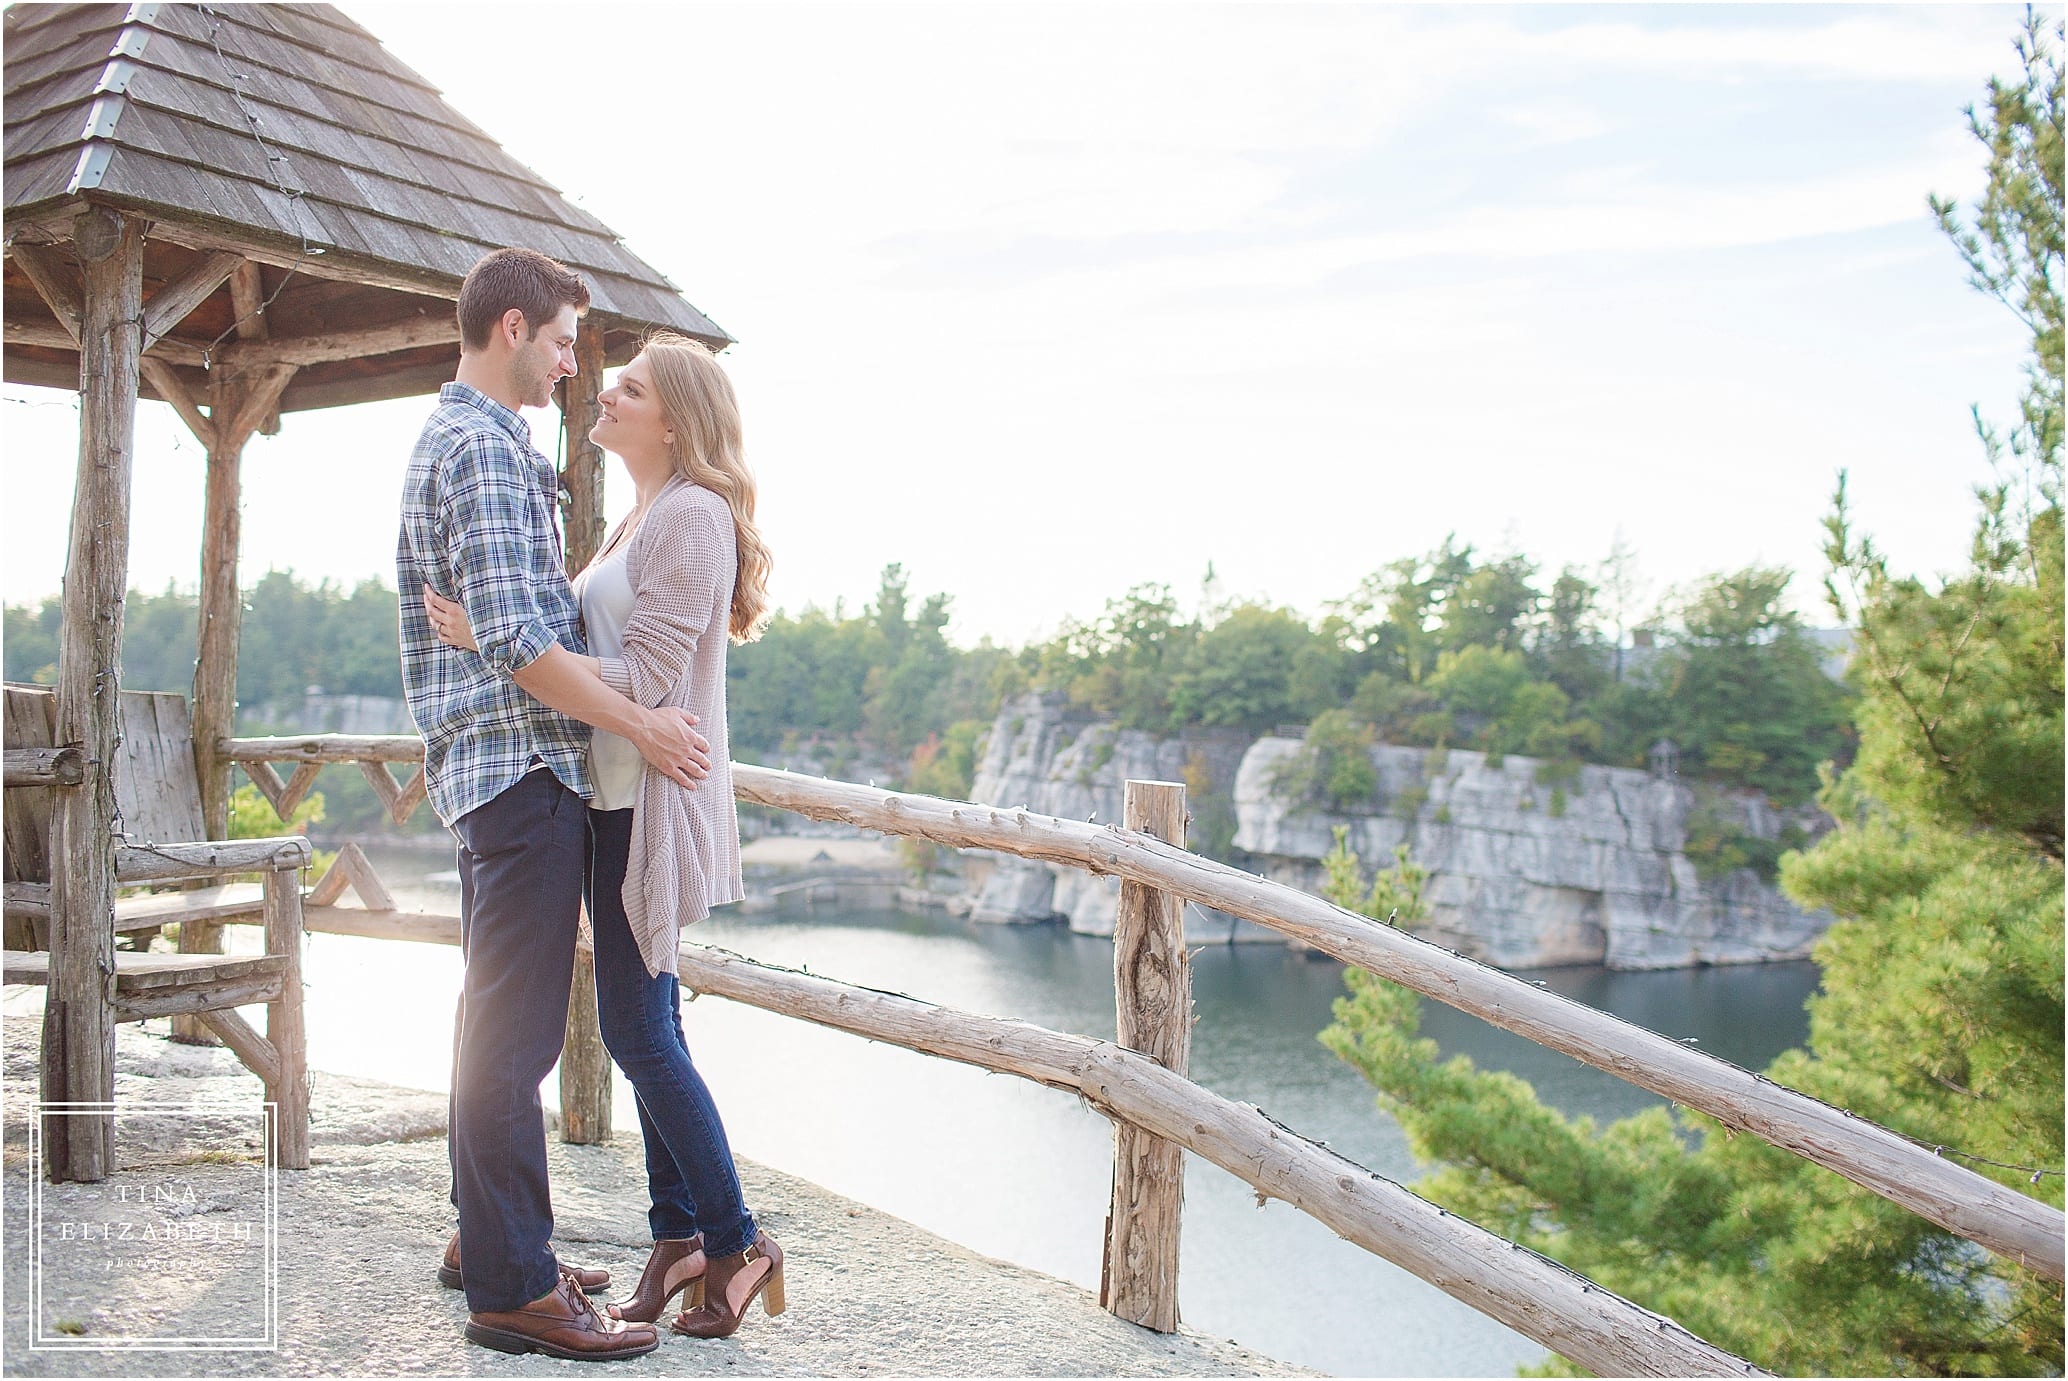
{"x": 78, "y": 1057}
{"x": 239, "y": 403}
{"x": 584, "y": 1065}
{"x": 222, "y": 611}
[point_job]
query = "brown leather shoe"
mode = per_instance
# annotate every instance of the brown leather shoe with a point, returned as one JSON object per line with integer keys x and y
{"x": 731, "y": 1284}
{"x": 593, "y": 1281}
{"x": 562, "y": 1324}
{"x": 677, "y": 1264}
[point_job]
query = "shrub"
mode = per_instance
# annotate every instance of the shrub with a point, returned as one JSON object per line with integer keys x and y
{"x": 1332, "y": 766}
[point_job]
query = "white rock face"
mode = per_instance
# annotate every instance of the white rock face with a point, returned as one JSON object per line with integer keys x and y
{"x": 1053, "y": 763}
{"x": 1603, "y": 880}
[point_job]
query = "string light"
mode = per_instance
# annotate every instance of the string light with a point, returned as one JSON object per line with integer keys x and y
{"x": 273, "y": 161}
{"x": 2036, "y": 1171}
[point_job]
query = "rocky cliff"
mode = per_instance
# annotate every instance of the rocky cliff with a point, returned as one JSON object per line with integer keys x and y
{"x": 1594, "y": 870}
{"x": 1050, "y": 760}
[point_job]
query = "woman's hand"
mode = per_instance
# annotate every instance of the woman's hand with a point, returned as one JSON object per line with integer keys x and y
{"x": 449, "y": 621}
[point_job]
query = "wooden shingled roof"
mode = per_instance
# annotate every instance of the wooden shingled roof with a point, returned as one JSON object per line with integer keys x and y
{"x": 287, "y": 135}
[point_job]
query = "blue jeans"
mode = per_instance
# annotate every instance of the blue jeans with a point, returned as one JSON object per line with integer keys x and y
{"x": 689, "y": 1170}
{"x": 520, "y": 860}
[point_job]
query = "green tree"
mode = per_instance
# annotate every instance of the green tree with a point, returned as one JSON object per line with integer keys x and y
{"x": 1749, "y": 703}
{"x": 30, "y": 639}
{"x": 944, "y": 764}
{"x": 1333, "y": 764}
{"x": 1240, "y": 671}
{"x": 1941, "y": 1011}
{"x": 1493, "y": 606}
{"x": 1124, "y": 664}
{"x": 1568, "y": 650}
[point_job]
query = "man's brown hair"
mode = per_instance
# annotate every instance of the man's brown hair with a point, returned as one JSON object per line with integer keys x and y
{"x": 522, "y": 278}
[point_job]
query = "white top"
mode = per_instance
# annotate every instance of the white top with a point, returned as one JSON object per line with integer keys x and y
{"x": 604, "y": 589}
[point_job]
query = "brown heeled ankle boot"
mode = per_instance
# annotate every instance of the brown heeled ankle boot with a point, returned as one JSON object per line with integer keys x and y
{"x": 730, "y": 1285}
{"x": 677, "y": 1264}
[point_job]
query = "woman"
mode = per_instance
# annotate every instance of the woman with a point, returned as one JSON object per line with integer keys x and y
{"x": 685, "y": 570}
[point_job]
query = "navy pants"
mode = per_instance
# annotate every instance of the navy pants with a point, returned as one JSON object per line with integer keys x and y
{"x": 521, "y": 860}
{"x": 689, "y": 1169}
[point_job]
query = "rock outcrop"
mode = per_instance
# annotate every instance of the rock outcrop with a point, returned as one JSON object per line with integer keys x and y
{"x": 1593, "y": 870}
{"x": 1041, "y": 756}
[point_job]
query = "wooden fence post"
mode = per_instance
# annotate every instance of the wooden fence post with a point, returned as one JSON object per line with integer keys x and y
{"x": 1152, "y": 983}
{"x": 285, "y": 1030}
{"x": 584, "y": 1066}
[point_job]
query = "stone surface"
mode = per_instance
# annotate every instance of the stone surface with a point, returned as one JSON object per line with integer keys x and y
{"x": 361, "y": 1231}
{"x": 1521, "y": 878}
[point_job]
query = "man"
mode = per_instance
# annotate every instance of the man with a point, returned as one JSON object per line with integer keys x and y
{"x": 505, "y": 764}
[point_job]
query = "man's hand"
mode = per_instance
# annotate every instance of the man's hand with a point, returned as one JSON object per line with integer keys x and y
{"x": 564, "y": 681}
{"x": 668, "y": 739}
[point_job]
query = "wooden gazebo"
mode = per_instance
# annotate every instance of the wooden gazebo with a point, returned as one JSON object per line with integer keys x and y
{"x": 240, "y": 210}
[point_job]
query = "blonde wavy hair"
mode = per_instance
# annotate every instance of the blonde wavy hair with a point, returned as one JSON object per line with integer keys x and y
{"x": 699, "y": 403}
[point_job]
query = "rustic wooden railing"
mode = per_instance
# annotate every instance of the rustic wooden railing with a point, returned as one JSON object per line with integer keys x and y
{"x": 1531, "y": 1294}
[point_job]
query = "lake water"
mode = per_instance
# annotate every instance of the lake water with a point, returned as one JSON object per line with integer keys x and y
{"x": 1021, "y": 1172}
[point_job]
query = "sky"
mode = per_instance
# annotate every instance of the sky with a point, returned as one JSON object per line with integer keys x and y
{"x": 1045, "y": 301}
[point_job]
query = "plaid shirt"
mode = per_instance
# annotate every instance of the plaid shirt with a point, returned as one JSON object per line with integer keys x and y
{"x": 477, "y": 526}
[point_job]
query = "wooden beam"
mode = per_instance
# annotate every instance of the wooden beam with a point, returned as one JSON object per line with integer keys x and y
{"x": 42, "y": 373}
{"x": 239, "y": 403}
{"x": 179, "y": 296}
{"x": 581, "y": 504}
{"x": 55, "y": 282}
{"x": 2013, "y": 1225}
{"x": 52, "y": 219}
{"x": 1535, "y": 1296}
{"x": 220, "y": 616}
{"x": 421, "y": 927}
{"x": 169, "y": 387}
{"x": 171, "y": 349}
{"x": 400, "y": 799}
{"x": 585, "y": 1093}
{"x": 247, "y": 1044}
{"x": 191, "y": 1002}
{"x": 286, "y": 1030}
{"x": 351, "y": 868}
{"x": 46, "y": 766}
{"x": 410, "y": 333}
{"x": 78, "y": 1055}
{"x": 1152, "y": 989}
{"x": 211, "y": 858}
{"x": 248, "y": 300}
{"x": 282, "y": 796}
{"x": 363, "y": 343}
{"x": 324, "y": 748}
{"x": 260, "y": 395}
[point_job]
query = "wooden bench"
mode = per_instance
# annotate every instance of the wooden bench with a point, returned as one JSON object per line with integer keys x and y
{"x": 159, "y": 797}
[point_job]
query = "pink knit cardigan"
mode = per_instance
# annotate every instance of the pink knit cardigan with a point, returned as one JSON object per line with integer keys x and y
{"x": 685, "y": 844}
